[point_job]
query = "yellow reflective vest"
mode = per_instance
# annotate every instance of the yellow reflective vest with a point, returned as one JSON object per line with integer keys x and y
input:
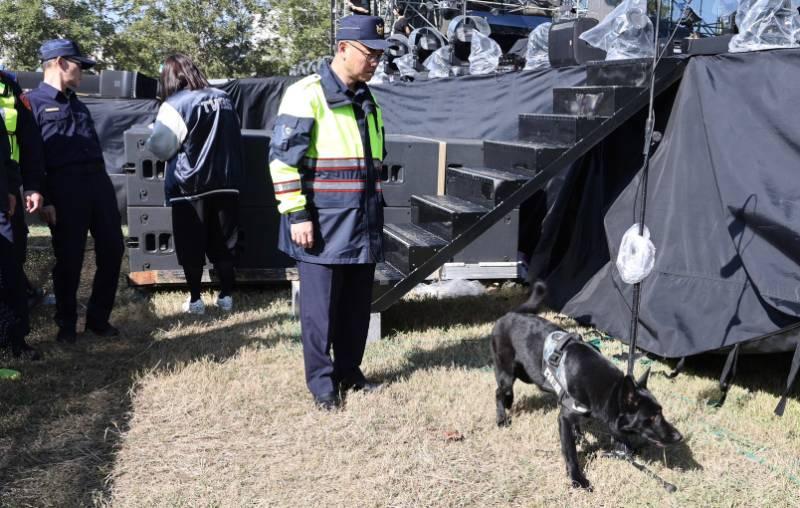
{"x": 325, "y": 158}
{"x": 8, "y": 111}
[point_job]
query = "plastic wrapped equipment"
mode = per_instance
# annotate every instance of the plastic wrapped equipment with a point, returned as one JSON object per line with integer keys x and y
{"x": 625, "y": 33}
{"x": 637, "y": 255}
{"x": 405, "y": 64}
{"x": 484, "y": 54}
{"x": 765, "y": 24}
{"x": 537, "y": 56}
{"x": 380, "y": 75}
{"x": 438, "y": 64}
{"x": 461, "y": 27}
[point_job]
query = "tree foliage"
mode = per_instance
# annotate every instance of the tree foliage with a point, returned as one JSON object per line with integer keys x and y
{"x": 221, "y": 35}
{"x": 227, "y": 38}
{"x": 303, "y": 30}
{"x": 24, "y": 24}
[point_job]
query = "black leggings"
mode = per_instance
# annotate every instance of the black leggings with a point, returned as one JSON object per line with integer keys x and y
{"x": 208, "y": 226}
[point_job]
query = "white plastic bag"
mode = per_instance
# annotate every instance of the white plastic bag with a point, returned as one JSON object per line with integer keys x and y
{"x": 625, "y": 33}
{"x": 765, "y": 24}
{"x": 537, "y": 56}
{"x": 438, "y": 64}
{"x": 449, "y": 289}
{"x": 484, "y": 54}
{"x": 637, "y": 255}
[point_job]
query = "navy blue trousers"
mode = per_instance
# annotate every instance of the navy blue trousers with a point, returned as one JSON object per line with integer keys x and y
{"x": 85, "y": 203}
{"x": 334, "y": 314}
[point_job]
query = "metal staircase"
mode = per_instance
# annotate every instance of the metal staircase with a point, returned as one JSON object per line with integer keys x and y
{"x": 477, "y": 198}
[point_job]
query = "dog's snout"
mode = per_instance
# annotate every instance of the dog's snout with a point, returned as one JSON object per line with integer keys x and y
{"x": 676, "y": 437}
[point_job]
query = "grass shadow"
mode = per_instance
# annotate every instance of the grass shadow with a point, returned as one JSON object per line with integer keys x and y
{"x": 423, "y": 313}
{"x": 61, "y": 425}
{"x": 749, "y": 372}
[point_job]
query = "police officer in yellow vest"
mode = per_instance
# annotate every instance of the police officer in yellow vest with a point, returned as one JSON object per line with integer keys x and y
{"x": 325, "y": 159}
{"x": 25, "y": 159}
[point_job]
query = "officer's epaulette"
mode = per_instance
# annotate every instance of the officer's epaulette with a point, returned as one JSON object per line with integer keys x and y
{"x": 308, "y": 80}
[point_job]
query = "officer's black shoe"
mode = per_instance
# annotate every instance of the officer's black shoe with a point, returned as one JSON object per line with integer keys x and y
{"x": 360, "y": 386}
{"x": 67, "y": 335}
{"x": 26, "y": 352}
{"x": 327, "y": 401}
{"x": 106, "y": 330}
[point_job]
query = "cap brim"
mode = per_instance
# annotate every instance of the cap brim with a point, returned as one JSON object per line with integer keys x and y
{"x": 86, "y": 63}
{"x": 377, "y": 44}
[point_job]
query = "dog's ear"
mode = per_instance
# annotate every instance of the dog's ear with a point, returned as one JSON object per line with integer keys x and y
{"x": 643, "y": 380}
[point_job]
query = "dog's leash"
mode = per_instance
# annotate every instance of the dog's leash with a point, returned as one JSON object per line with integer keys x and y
{"x": 628, "y": 457}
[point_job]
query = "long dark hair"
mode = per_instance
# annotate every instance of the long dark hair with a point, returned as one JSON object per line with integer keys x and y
{"x": 180, "y": 73}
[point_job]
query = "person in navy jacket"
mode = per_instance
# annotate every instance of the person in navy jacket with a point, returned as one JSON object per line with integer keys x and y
{"x": 79, "y": 195}
{"x": 197, "y": 131}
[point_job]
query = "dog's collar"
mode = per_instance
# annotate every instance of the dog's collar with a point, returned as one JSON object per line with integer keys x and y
{"x": 553, "y": 367}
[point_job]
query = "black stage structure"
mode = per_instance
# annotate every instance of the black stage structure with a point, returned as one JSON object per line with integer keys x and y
{"x": 722, "y": 199}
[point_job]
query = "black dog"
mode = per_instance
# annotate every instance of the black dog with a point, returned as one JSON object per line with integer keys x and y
{"x": 595, "y": 388}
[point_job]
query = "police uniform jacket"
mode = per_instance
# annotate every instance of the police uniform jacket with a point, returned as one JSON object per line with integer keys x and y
{"x": 23, "y": 138}
{"x": 198, "y": 132}
{"x": 68, "y": 135}
{"x": 325, "y": 159}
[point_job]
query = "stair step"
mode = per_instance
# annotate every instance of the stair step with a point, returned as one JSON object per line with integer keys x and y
{"x": 406, "y": 246}
{"x": 634, "y": 72}
{"x": 556, "y": 129}
{"x": 386, "y": 276}
{"x": 484, "y": 186}
{"x": 520, "y": 155}
{"x": 592, "y": 101}
{"x": 445, "y": 216}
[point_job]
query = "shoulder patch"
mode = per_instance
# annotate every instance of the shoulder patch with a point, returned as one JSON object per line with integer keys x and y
{"x": 23, "y": 98}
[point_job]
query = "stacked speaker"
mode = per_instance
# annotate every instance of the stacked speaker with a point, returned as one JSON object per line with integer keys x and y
{"x": 150, "y": 238}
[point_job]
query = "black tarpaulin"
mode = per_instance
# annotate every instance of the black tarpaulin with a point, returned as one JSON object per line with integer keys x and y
{"x": 112, "y": 117}
{"x": 474, "y": 107}
{"x": 723, "y": 210}
{"x": 257, "y": 99}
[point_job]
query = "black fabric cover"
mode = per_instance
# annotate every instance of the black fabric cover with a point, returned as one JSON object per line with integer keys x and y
{"x": 112, "y": 117}
{"x": 257, "y": 99}
{"x": 723, "y": 208}
{"x": 474, "y": 107}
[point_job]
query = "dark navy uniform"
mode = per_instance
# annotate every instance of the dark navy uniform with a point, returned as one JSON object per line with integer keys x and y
{"x": 81, "y": 191}
{"x": 13, "y": 304}
{"x": 325, "y": 159}
{"x": 26, "y": 155}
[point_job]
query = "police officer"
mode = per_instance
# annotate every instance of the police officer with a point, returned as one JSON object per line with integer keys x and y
{"x": 325, "y": 156}
{"x": 79, "y": 188}
{"x": 13, "y": 304}
{"x": 26, "y": 156}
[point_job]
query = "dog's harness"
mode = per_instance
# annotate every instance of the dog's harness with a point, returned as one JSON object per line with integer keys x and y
{"x": 553, "y": 367}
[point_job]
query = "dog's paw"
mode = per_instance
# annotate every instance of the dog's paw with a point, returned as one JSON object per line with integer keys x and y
{"x": 580, "y": 482}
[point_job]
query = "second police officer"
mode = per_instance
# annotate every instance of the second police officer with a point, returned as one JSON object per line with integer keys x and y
{"x": 79, "y": 189}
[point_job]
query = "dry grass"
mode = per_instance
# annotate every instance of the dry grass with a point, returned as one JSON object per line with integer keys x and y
{"x": 213, "y": 411}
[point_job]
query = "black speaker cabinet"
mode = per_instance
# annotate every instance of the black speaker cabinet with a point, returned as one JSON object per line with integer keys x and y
{"x": 90, "y": 83}
{"x": 706, "y": 45}
{"x": 565, "y": 46}
{"x": 127, "y": 85}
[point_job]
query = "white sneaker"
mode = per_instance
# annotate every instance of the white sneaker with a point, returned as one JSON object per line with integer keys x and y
{"x": 225, "y": 303}
{"x": 196, "y": 307}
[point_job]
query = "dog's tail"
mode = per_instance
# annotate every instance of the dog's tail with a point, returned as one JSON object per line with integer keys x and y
{"x": 538, "y": 293}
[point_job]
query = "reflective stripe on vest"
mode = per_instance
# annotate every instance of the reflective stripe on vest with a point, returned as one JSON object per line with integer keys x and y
{"x": 9, "y": 113}
{"x": 335, "y": 158}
